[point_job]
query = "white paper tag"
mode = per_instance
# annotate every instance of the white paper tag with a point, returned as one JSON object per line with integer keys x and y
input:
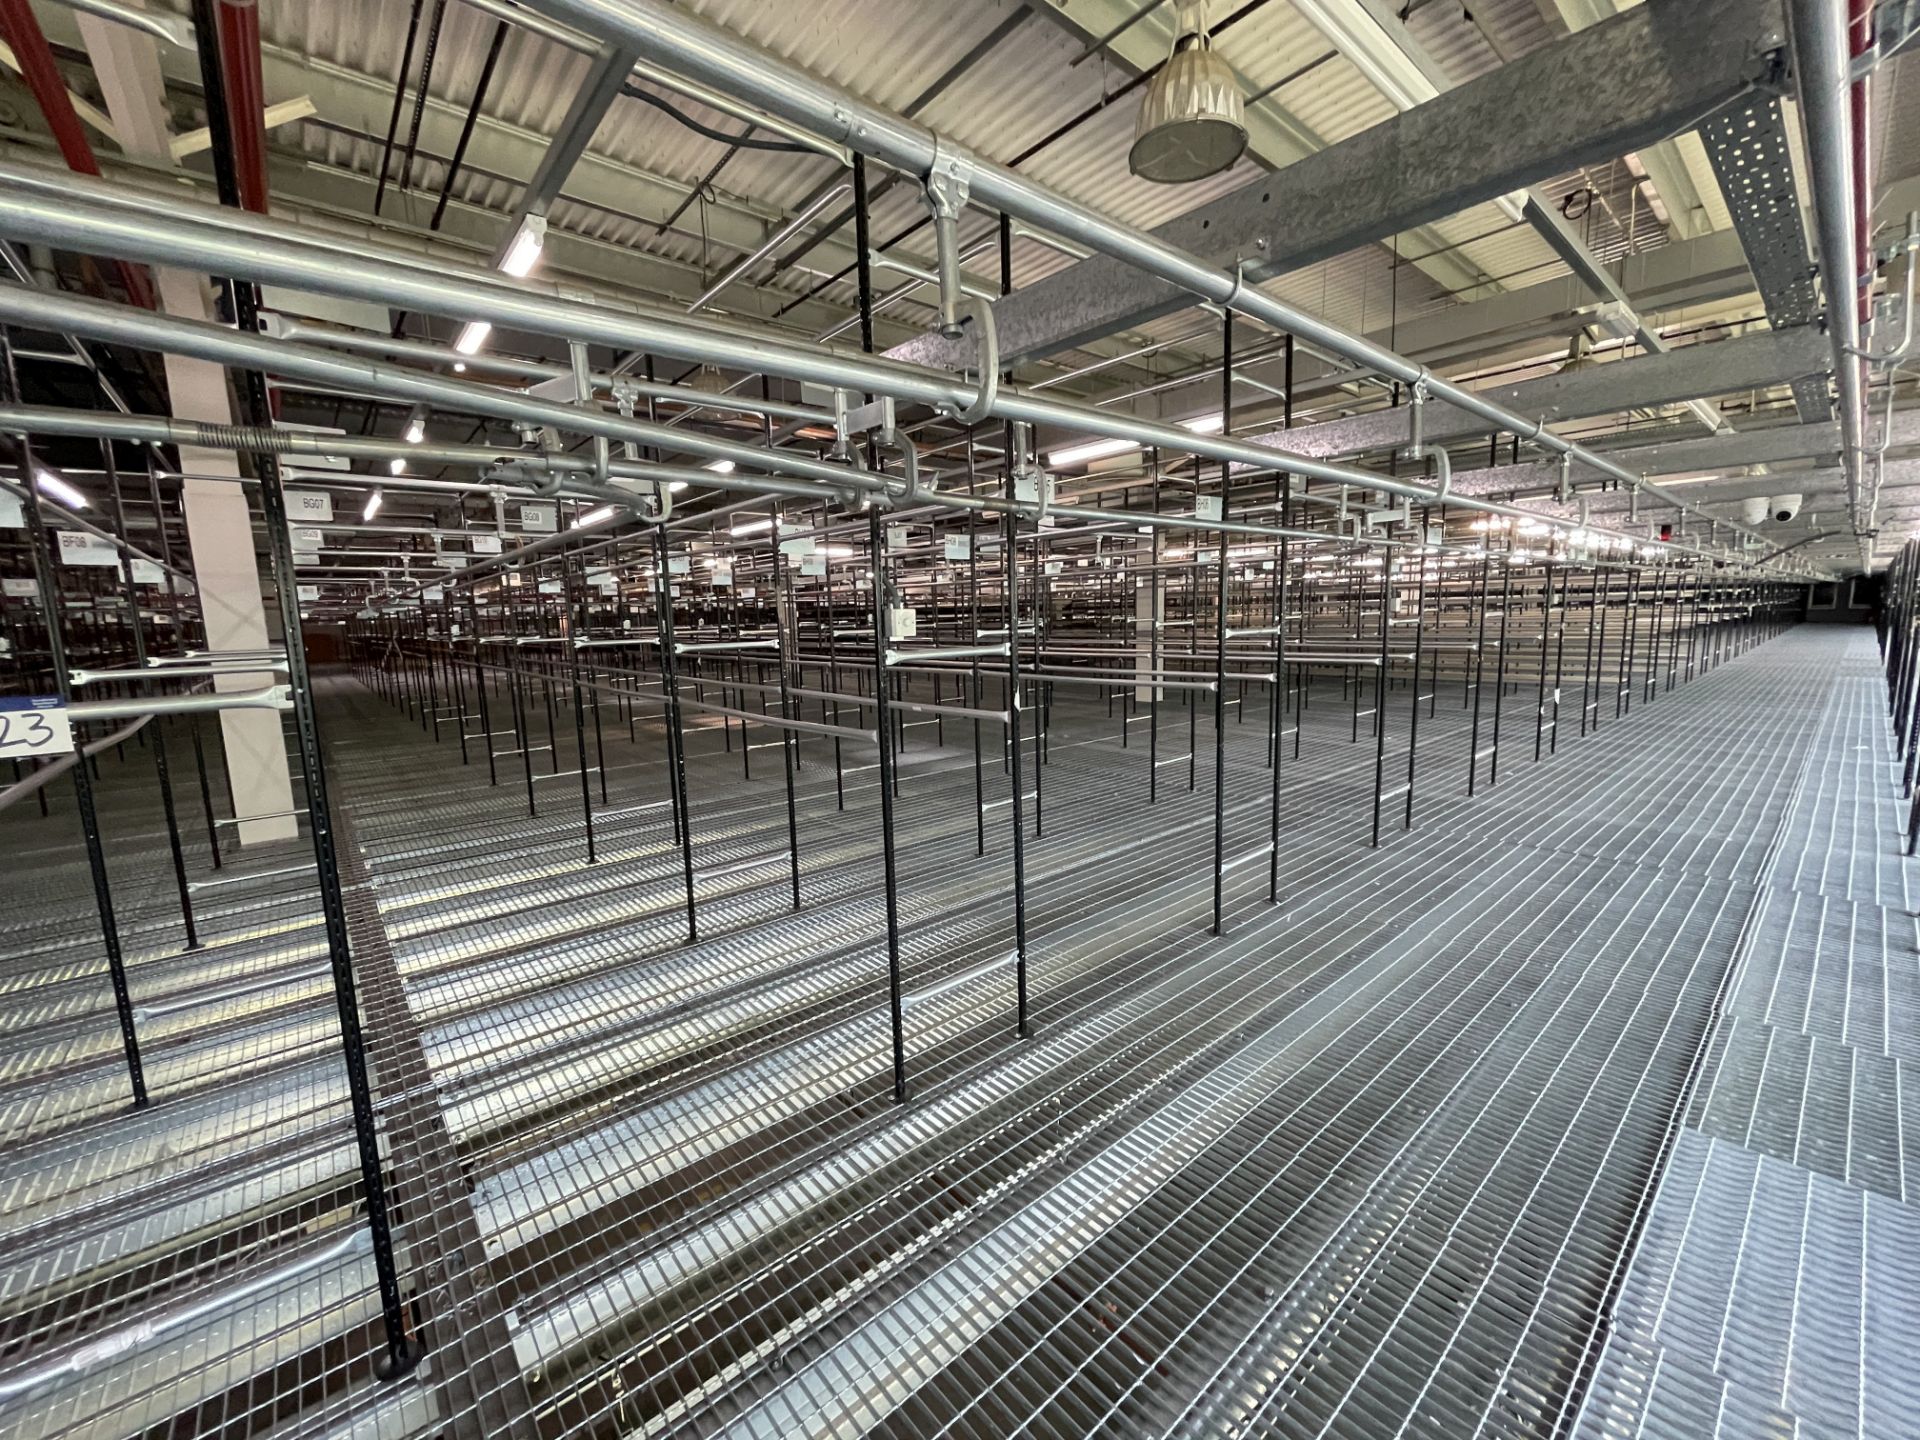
{"x": 12, "y": 516}
{"x": 799, "y": 547}
{"x": 307, "y": 592}
{"x": 958, "y": 547}
{"x": 34, "y": 725}
{"x": 145, "y": 572}
{"x": 902, "y": 622}
{"x": 305, "y": 506}
{"x": 679, "y": 565}
{"x": 484, "y": 544}
{"x": 1207, "y": 507}
{"x": 814, "y": 565}
{"x": 17, "y": 589}
{"x": 551, "y": 587}
{"x": 79, "y": 548}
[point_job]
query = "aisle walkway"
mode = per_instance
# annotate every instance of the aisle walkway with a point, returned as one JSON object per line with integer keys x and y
{"x": 1777, "y": 1288}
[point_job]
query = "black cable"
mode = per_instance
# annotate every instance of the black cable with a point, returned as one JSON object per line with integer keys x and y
{"x": 399, "y": 98}
{"x": 466, "y": 128}
{"x": 420, "y": 91}
{"x": 742, "y": 141}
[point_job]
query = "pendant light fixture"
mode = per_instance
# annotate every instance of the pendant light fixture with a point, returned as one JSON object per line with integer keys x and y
{"x": 1191, "y": 123}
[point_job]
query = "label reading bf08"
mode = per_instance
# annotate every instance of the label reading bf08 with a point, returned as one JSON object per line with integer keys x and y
{"x": 79, "y": 548}
{"x": 34, "y": 725}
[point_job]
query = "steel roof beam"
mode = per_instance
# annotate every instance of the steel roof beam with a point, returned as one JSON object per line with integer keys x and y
{"x": 1589, "y": 98}
{"x": 1747, "y": 362}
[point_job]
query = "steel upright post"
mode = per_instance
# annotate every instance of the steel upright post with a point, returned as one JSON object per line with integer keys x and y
{"x": 42, "y": 543}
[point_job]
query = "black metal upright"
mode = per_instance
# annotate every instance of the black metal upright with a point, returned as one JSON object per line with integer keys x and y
{"x": 1010, "y": 561}
{"x": 41, "y": 543}
{"x": 244, "y": 299}
{"x": 1220, "y": 637}
{"x": 676, "y": 736}
{"x": 1278, "y": 689}
{"x": 882, "y": 713}
{"x": 137, "y": 630}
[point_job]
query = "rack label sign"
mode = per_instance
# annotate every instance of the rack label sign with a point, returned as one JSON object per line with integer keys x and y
{"x": 538, "y": 517}
{"x": 34, "y": 725}
{"x": 305, "y": 506}
{"x": 17, "y": 589}
{"x": 79, "y": 548}
{"x": 12, "y": 517}
{"x": 815, "y": 564}
{"x": 485, "y": 544}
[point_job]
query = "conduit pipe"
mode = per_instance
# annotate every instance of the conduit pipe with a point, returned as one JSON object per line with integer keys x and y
{"x": 703, "y": 51}
{"x": 1820, "y": 56}
{"x": 167, "y": 231}
{"x": 366, "y": 343}
{"x": 120, "y": 324}
{"x": 266, "y": 250}
{"x": 22, "y": 30}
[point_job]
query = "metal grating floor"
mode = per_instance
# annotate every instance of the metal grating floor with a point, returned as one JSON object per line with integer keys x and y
{"x": 1370, "y": 1163}
{"x": 1776, "y": 1288}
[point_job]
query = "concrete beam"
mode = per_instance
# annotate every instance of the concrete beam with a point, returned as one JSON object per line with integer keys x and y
{"x": 1586, "y": 99}
{"x": 1747, "y": 362}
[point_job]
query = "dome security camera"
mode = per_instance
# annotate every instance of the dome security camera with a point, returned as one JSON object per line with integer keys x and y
{"x": 1784, "y": 507}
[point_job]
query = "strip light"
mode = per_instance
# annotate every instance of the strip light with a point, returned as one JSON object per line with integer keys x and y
{"x": 1074, "y": 455}
{"x": 524, "y": 253}
{"x": 52, "y": 485}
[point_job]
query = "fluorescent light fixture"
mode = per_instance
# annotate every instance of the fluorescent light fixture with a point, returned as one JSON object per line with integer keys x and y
{"x": 53, "y": 486}
{"x": 397, "y": 465}
{"x": 416, "y": 424}
{"x": 674, "y": 487}
{"x": 459, "y": 367}
{"x": 373, "y": 506}
{"x": 524, "y": 253}
{"x": 720, "y": 467}
{"x": 1074, "y": 455}
{"x": 472, "y": 336}
{"x": 593, "y": 517}
{"x": 1100, "y": 449}
{"x": 751, "y": 527}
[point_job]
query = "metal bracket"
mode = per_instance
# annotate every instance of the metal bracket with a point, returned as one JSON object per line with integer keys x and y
{"x": 948, "y": 180}
{"x": 626, "y": 398}
{"x": 981, "y": 313}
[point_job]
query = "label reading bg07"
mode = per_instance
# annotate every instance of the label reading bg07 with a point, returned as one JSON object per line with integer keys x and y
{"x": 34, "y": 725}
